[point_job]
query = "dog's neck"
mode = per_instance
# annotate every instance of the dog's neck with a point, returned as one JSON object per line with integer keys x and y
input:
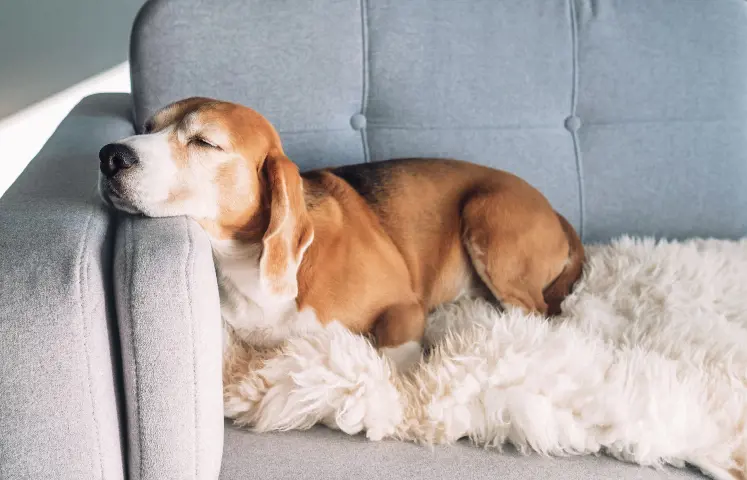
{"x": 237, "y": 265}
{"x": 236, "y": 241}
{"x": 237, "y": 248}
{"x": 250, "y": 313}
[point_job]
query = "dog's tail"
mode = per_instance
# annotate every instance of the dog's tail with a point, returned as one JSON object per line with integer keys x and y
{"x": 562, "y": 286}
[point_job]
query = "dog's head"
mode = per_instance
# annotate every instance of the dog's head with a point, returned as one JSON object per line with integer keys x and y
{"x": 217, "y": 162}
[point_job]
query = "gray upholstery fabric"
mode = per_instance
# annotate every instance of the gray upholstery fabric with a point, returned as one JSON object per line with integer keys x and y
{"x": 664, "y": 103}
{"x": 59, "y": 412}
{"x": 322, "y": 454}
{"x": 169, "y": 316}
{"x": 629, "y": 115}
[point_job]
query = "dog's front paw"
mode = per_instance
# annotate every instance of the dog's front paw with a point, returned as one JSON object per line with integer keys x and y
{"x": 404, "y": 356}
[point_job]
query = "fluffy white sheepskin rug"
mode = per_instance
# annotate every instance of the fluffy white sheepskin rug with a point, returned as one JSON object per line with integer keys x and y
{"x": 648, "y": 364}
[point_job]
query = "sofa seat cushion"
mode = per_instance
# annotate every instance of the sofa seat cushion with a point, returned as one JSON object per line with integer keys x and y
{"x": 321, "y": 453}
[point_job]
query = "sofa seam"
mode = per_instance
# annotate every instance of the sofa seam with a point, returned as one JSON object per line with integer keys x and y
{"x": 189, "y": 267}
{"x": 129, "y": 257}
{"x": 365, "y": 77}
{"x": 83, "y": 261}
{"x": 459, "y": 128}
{"x": 303, "y": 131}
{"x": 574, "y": 132}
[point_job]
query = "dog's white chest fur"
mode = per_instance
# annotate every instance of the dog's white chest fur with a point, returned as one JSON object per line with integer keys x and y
{"x": 258, "y": 318}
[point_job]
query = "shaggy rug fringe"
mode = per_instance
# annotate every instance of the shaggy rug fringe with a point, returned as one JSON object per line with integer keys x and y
{"x": 647, "y": 364}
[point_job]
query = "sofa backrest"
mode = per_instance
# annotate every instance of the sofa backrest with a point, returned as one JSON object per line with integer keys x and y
{"x": 630, "y": 115}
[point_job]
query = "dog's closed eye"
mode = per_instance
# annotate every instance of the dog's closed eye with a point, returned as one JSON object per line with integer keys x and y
{"x": 202, "y": 142}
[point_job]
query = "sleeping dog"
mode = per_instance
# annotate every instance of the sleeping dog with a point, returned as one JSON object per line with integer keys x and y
{"x": 374, "y": 246}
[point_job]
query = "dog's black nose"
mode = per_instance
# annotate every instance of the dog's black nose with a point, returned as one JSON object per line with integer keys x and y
{"x": 115, "y": 157}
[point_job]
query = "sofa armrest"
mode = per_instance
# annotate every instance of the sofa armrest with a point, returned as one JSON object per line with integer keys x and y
{"x": 170, "y": 328}
{"x": 59, "y": 413}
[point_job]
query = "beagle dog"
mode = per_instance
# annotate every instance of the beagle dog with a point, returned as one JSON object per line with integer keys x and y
{"x": 374, "y": 246}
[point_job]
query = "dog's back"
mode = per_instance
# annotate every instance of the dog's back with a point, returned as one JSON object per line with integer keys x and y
{"x": 421, "y": 202}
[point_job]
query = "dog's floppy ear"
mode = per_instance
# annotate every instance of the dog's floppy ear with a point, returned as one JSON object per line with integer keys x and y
{"x": 290, "y": 231}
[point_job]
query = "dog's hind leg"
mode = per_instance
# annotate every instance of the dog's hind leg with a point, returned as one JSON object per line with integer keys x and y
{"x": 516, "y": 248}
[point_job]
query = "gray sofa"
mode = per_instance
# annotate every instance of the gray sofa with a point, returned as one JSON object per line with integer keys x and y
{"x": 631, "y": 116}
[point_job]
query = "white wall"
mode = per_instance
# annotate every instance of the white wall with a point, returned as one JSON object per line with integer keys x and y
{"x": 49, "y": 45}
{"x": 23, "y": 134}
